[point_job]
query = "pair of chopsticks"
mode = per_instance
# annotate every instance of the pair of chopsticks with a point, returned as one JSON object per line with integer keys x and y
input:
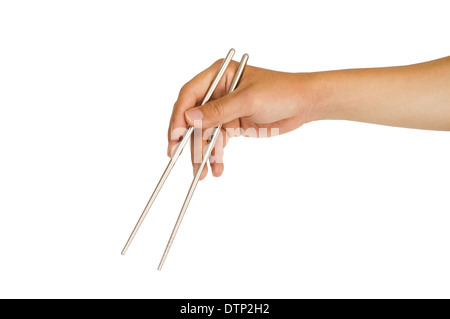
{"x": 206, "y": 154}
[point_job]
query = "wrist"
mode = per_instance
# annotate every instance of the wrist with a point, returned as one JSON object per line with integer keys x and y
{"x": 325, "y": 98}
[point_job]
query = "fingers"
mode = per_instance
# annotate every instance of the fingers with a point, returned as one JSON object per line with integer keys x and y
{"x": 199, "y": 141}
{"x": 216, "y": 167}
{"x": 222, "y": 110}
{"x": 216, "y": 158}
{"x": 191, "y": 95}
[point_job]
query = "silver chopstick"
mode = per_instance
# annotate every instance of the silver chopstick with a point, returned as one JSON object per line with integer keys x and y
{"x": 206, "y": 155}
{"x": 178, "y": 151}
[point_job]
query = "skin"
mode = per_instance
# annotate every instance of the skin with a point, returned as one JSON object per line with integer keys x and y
{"x": 412, "y": 96}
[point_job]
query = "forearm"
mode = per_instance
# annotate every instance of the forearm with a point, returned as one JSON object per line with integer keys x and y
{"x": 414, "y": 96}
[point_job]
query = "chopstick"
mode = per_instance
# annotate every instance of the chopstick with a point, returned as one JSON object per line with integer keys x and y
{"x": 178, "y": 151}
{"x": 207, "y": 153}
{"x": 179, "y": 148}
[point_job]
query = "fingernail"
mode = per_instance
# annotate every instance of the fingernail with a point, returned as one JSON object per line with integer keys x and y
{"x": 194, "y": 115}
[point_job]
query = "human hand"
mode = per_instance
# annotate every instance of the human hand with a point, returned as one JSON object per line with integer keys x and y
{"x": 265, "y": 103}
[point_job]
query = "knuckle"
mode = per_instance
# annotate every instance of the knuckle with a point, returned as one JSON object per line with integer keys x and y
{"x": 218, "y": 62}
{"x": 184, "y": 89}
{"x": 216, "y": 109}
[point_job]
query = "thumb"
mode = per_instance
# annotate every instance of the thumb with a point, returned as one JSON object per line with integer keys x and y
{"x": 216, "y": 112}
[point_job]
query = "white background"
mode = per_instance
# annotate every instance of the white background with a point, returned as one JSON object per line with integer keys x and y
{"x": 333, "y": 210}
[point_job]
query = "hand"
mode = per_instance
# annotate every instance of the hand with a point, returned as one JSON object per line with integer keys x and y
{"x": 265, "y": 103}
{"x": 268, "y": 103}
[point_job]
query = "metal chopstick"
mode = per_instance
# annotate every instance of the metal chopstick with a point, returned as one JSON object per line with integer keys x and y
{"x": 178, "y": 151}
{"x": 206, "y": 156}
